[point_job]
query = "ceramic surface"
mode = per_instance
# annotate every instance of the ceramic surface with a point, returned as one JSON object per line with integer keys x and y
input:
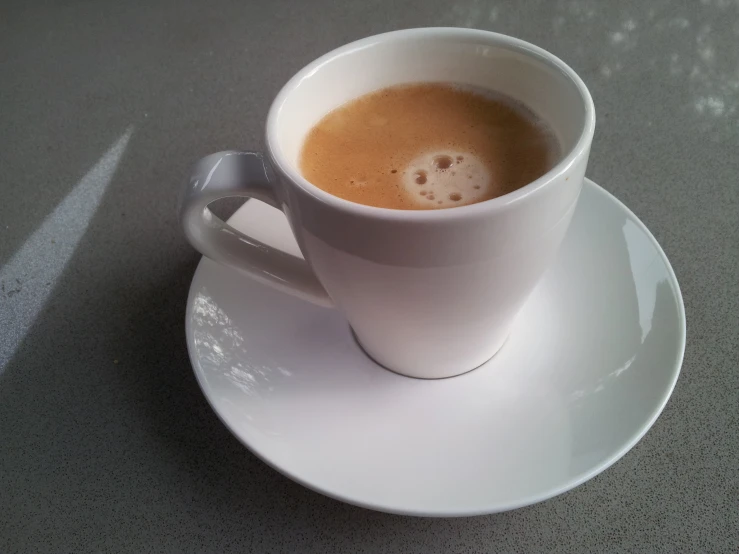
{"x": 591, "y": 361}
{"x": 429, "y": 293}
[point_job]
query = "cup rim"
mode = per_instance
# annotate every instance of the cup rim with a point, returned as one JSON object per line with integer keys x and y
{"x": 510, "y": 199}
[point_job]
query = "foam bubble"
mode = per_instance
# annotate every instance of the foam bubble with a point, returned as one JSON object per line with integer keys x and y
{"x": 442, "y": 161}
{"x": 447, "y": 179}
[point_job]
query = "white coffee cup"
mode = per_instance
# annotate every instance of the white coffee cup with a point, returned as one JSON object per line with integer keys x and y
{"x": 428, "y": 293}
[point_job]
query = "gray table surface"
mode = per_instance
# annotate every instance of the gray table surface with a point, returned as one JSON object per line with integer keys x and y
{"x": 106, "y": 442}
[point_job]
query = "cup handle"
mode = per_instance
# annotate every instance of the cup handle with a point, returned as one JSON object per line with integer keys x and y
{"x": 244, "y": 174}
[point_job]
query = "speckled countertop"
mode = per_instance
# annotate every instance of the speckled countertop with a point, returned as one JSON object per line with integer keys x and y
{"x": 107, "y": 444}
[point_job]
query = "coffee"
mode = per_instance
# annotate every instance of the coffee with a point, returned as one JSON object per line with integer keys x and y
{"x": 427, "y": 146}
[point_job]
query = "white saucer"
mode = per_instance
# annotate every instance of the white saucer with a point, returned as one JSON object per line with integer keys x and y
{"x": 590, "y": 364}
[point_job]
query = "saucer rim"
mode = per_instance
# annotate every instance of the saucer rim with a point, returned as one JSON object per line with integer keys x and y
{"x": 498, "y": 508}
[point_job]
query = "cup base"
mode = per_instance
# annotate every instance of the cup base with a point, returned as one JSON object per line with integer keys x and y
{"x": 419, "y": 373}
